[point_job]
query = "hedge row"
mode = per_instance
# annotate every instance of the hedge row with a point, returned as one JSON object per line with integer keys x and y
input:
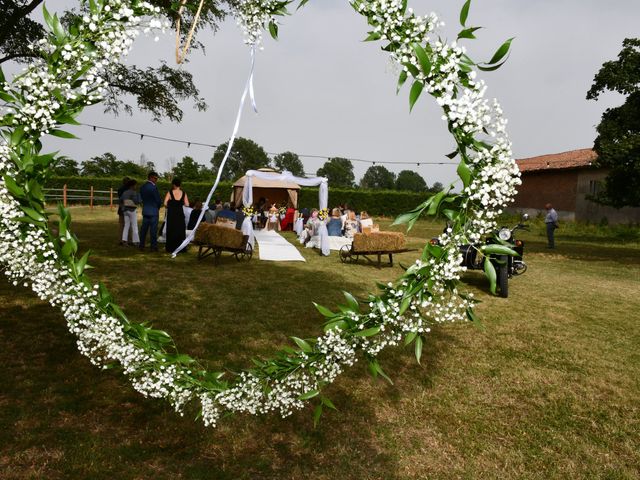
{"x": 376, "y": 202}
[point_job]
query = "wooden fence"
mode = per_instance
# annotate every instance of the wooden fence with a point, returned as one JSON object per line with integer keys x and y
{"x": 77, "y": 196}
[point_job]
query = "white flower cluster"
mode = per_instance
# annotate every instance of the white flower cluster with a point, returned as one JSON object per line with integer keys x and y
{"x": 253, "y": 15}
{"x": 30, "y": 258}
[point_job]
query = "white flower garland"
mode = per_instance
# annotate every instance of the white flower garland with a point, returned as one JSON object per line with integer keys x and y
{"x": 427, "y": 294}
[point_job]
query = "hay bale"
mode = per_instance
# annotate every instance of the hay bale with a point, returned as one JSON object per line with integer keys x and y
{"x": 219, "y": 236}
{"x": 378, "y": 242}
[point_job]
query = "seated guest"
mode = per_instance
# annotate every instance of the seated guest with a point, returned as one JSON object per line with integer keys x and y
{"x": 239, "y": 218}
{"x": 334, "y": 226}
{"x": 351, "y": 224}
{"x": 365, "y": 221}
{"x": 311, "y": 228}
{"x": 211, "y": 214}
{"x": 195, "y": 214}
{"x": 226, "y": 212}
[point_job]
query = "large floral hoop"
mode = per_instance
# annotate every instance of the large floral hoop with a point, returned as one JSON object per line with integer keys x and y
{"x": 66, "y": 77}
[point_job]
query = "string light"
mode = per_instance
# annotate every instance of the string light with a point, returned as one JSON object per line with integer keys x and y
{"x": 188, "y": 143}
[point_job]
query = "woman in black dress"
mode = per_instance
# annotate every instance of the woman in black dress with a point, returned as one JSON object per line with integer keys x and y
{"x": 174, "y": 200}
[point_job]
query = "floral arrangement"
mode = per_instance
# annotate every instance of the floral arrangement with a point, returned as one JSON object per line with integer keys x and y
{"x": 323, "y": 214}
{"x": 66, "y": 76}
{"x": 249, "y": 211}
{"x": 282, "y": 210}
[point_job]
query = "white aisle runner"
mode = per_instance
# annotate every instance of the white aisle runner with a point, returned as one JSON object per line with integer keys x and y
{"x": 272, "y": 246}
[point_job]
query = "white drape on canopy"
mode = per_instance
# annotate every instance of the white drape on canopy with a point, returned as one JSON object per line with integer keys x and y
{"x": 323, "y": 200}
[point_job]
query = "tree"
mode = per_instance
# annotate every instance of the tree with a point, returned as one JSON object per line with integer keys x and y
{"x": 107, "y": 165}
{"x": 618, "y": 140}
{"x": 189, "y": 169}
{"x": 245, "y": 155}
{"x": 339, "y": 171}
{"x": 437, "y": 187}
{"x": 377, "y": 177}
{"x": 410, "y": 181}
{"x": 65, "y": 167}
{"x": 157, "y": 90}
{"x": 289, "y": 161}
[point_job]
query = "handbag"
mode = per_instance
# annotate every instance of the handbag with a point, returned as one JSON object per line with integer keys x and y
{"x": 129, "y": 203}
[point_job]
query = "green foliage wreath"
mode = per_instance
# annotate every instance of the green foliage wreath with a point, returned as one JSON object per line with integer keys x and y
{"x": 67, "y": 75}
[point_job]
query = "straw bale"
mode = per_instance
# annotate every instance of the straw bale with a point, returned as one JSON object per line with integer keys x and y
{"x": 378, "y": 242}
{"x": 219, "y": 236}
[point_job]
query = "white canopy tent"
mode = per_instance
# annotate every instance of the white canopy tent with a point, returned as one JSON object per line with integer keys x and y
{"x": 286, "y": 177}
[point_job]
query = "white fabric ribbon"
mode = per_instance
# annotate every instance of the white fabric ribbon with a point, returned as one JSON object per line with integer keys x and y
{"x": 248, "y": 90}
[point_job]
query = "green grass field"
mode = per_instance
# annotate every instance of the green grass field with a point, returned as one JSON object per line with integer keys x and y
{"x": 549, "y": 388}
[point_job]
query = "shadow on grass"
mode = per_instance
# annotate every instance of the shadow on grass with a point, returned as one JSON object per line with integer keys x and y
{"x": 63, "y": 418}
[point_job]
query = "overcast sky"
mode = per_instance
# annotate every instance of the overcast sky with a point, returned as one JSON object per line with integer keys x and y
{"x": 321, "y": 90}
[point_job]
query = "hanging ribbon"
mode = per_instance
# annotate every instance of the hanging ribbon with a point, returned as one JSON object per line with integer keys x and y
{"x": 180, "y": 56}
{"x": 248, "y": 90}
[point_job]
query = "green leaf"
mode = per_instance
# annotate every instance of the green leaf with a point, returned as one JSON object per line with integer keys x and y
{"x": 423, "y": 58}
{"x": 61, "y": 133}
{"x": 17, "y": 135}
{"x": 464, "y": 13}
{"x": 82, "y": 263}
{"x": 13, "y": 187}
{"x": 464, "y": 172}
{"x": 468, "y": 33}
{"x": 324, "y": 310}
{"x": 492, "y": 68}
{"x": 411, "y": 336}
{"x": 471, "y": 315}
{"x": 418, "y": 349}
{"x": 31, "y": 213}
{"x": 273, "y": 30}
{"x": 369, "y": 332}
{"x": 47, "y": 17}
{"x": 401, "y": 80}
{"x": 404, "y": 305}
{"x": 352, "y": 302}
{"x": 304, "y": 346}
{"x": 413, "y": 70}
{"x": 490, "y": 272}
{"x": 373, "y": 36}
{"x": 498, "y": 250}
{"x": 308, "y": 395}
{"x": 435, "y": 202}
{"x": 414, "y": 94}
{"x": 501, "y": 52}
{"x": 317, "y": 413}
{"x": 336, "y": 324}
{"x": 328, "y": 403}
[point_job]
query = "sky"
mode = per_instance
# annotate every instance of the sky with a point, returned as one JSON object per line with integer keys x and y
{"x": 321, "y": 90}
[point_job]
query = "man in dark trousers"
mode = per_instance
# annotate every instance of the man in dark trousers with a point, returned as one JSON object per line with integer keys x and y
{"x": 551, "y": 221}
{"x": 150, "y": 211}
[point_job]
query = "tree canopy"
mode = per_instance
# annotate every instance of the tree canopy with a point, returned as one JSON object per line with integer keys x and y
{"x": 339, "y": 171}
{"x": 245, "y": 155}
{"x": 156, "y": 90}
{"x": 107, "y": 165}
{"x": 409, "y": 180}
{"x": 289, "y": 161}
{"x": 377, "y": 177}
{"x": 65, "y": 167}
{"x": 618, "y": 140}
{"x": 189, "y": 169}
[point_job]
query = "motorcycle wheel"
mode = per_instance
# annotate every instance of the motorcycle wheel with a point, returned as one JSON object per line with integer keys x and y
{"x": 503, "y": 278}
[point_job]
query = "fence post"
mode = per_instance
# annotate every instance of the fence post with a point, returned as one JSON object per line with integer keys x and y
{"x": 91, "y": 198}
{"x": 64, "y": 196}
{"x": 111, "y": 198}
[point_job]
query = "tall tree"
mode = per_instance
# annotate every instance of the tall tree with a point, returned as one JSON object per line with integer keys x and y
{"x": 618, "y": 140}
{"x": 289, "y": 161}
{"x": 107, "y": 165}
{"x": 409, "y": 180}
{"x": 377, "y": 177}
{"x": 189, "y": 169}
{"x": 65, "y": 167}
{"x": 157, "y": 90}
{"x": 245, "y": 155}
{"x": 437, "y": 187}
{"x": 339, "y": 171}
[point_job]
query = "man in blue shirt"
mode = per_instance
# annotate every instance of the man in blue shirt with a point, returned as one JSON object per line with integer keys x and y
{"x": 551, "y": 220}
{"x": 150, "y": 211}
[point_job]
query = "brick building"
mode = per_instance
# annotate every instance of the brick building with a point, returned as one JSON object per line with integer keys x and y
{"x": 566, "y": 180}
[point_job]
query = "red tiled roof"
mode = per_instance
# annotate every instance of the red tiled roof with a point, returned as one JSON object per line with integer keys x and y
{"x": 556, "y": 161}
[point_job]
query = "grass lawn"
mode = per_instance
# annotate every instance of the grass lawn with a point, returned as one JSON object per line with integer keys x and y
{"x": 549, "y": 388}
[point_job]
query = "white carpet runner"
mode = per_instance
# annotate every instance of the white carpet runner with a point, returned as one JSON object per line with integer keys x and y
{"x": 272, "y": 246}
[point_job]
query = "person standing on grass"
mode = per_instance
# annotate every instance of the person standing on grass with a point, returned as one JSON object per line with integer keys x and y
{"x": 551, "y": 221}
{"x": 174, "y": 200}
{"x": 151, "y": 203}
{"x": 129, "y": 202}
{"x": 121, "y": 189}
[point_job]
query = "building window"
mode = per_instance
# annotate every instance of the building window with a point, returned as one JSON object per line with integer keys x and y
{"x": 594, "y": 187}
